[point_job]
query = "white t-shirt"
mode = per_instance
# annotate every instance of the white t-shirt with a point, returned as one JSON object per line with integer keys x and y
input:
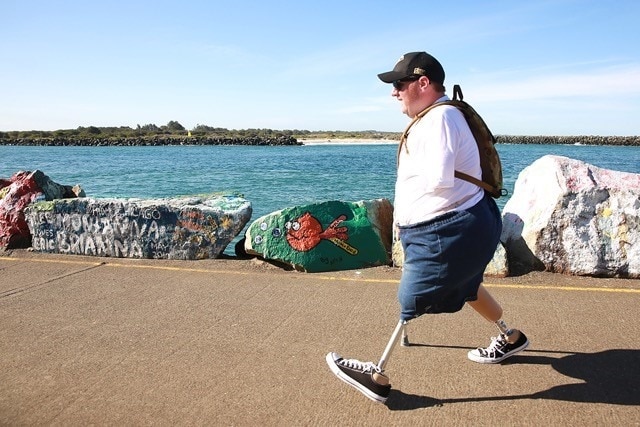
{"x": 437, "y": 145}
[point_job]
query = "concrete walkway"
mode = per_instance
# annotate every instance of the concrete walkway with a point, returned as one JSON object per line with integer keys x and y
{"x": 229, "y": 342}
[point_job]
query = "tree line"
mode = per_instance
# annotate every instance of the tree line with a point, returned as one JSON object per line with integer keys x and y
{"x": 175, "y": 129}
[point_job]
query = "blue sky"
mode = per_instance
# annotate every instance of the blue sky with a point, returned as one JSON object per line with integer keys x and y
{"x": 560, "y": 67}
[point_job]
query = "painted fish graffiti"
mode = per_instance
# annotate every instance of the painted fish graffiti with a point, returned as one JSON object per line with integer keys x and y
{"x": 305, "y": 233}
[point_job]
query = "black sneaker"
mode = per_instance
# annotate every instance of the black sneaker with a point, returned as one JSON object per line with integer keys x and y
{"x": 498, "y": 350}
{"x": 360, "y": 376}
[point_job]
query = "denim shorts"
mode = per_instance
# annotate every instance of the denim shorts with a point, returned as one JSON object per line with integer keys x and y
{"x": 445, "y": 259}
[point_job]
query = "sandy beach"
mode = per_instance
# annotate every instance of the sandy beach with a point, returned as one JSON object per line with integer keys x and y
{"x": 353, "y": 141}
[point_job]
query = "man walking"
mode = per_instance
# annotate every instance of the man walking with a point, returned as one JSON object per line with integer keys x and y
{"x": 449, "y": 228}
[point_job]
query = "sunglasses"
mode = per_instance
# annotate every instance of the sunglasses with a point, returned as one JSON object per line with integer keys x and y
{"x": 399, "y": 84}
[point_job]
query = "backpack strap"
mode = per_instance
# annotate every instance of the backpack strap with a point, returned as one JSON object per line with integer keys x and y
{"x": 490, "y": 188}
{"x": 457, "y": 96}
{"x": 457, "y": 93}
{"x": 405, "y": 134}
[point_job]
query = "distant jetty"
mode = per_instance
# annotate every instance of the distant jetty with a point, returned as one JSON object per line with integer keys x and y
{"x": 164, "y": 140}
{"x": 570, "y": 140}
{"x": 148, "y": 141}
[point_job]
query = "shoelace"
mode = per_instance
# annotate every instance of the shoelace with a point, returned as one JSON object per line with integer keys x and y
{"x": 358, "y": 365}
{"x": 497, "y": 346}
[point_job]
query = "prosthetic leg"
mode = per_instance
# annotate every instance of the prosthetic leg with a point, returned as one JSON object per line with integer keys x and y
{"x": 491, "y": 310}
{"x": 405, "y": 336}
{"x": 397, "y": 332}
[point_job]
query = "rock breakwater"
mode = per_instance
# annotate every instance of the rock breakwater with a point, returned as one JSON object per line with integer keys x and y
{"x": 570, "y": 140}
{"x": 149, "y": 141}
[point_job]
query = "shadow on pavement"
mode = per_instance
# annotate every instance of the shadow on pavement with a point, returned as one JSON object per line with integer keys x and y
{"x": 609, "y": 376}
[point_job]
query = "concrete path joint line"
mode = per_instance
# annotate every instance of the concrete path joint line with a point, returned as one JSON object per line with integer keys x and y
{"x": 16, "y": 291}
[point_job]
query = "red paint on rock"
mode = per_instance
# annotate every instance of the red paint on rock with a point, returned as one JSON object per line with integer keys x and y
{"x": 17, "y": 192}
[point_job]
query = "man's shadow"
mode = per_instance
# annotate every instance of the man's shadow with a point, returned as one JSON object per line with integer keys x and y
{"x": 610, "y": 376}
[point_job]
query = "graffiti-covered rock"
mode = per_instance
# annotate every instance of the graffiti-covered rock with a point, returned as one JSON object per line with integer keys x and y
{"x": 567, "y": 216}
{"x": 326, "y": 236}
{"x": 16, "y": 194}
{"x": 184, "y": 228}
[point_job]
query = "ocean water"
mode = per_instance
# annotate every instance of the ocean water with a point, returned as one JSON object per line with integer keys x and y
{"x": 271, "y": 178}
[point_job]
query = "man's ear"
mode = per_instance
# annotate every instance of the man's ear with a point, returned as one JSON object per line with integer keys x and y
{"x": 424, "y": 82}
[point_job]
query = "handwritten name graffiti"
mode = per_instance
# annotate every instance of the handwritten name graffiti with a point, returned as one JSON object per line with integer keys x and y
{"x": 115, "y": 231}
{"x": 120, "y": 210}
{"x": 134, "y": 228}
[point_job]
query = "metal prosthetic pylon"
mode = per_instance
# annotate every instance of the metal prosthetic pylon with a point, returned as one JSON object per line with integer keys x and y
{"x": 397, "y": 332}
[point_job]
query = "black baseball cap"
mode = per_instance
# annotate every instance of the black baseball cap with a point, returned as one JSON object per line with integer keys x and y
{"x": 415, "y": 64}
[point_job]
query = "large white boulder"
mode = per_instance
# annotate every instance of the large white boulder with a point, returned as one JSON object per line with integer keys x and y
{"x": 567, "y": 216}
